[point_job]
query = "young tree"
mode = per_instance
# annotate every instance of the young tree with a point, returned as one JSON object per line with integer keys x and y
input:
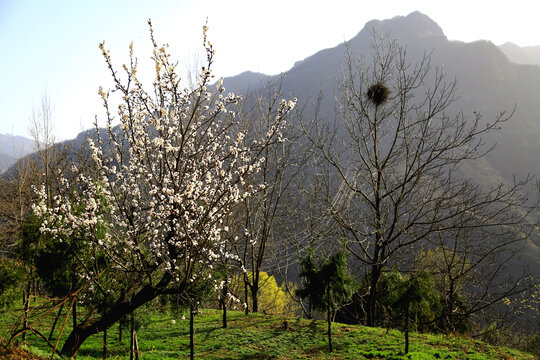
{"x": 395, "y": 163}
{"x": 327, "y": 285}
{"x": 165, "y": 180}
{"x": 11, "y": 278}
{"x": 17, "y": 196}
{"x": 42, "y": 131}
{"x": 259, "y": 216}
{"x": 418, "y": 291}
{"x": 189, "y": 300}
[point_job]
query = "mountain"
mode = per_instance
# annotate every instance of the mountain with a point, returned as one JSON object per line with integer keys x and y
{"x": 488, "y": 83}
{"x": 12, "y": 148}
{"x": 15, "y": 146}
{"x": 521, "y": 55}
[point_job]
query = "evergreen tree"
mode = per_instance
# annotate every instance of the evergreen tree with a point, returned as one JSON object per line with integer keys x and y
{"x": 327, "y": 285}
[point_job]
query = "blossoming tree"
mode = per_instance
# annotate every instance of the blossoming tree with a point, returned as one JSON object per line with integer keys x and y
{"x": 164, "y": 180}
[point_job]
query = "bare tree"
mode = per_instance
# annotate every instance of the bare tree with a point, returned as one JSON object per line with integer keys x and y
{"x": 260, "y": 215}
{"x": 394, "y": 157}
{"x": 16, "y": 197}
{"x": 472, "y": 270}
{"x": 42, "y": 131}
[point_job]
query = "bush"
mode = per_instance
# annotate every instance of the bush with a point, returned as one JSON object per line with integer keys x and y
{"x": 12, "y": 276}
{"x": 513, "y": 338}
{"x": 394, "y": 289}
{"x": 273, "y": 299}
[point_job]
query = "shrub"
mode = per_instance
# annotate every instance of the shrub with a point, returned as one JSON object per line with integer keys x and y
{"x": 12, "y": 275}
{"x": 273, "y": 299}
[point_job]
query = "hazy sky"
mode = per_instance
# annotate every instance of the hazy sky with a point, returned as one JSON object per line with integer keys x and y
{"x": 52, "y": 46}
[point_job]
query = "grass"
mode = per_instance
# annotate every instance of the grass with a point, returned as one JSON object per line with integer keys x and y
{"x": 258, "y": 336}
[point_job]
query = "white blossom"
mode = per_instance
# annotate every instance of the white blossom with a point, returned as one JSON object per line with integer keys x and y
{"x": 164, "y": 179}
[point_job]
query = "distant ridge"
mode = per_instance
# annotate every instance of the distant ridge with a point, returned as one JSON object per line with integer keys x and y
{"x": 12, "y": 148}
{"x": 14, "y": 145}
{"x": 521, "y": 55}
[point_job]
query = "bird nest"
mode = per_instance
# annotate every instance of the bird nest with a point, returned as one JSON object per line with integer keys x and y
{"x": 378, "y": 93}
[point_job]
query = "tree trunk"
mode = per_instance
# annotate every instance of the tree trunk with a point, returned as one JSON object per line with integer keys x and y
{"x": 132, "y": 337}
{"x": 136, "y": 346}
{"x": 26, "y": 306}
{"x": 246, "y": 296}
{"x": 407, "y": 328}
{"x": 122, "y": 308}
{"x": 105, "y": 345}
{"x": 224, "y": 316}
{"x": 34, "y": 288}
{"x": 224, "y": 302}
{"x": 56, "y": 321}
{"x": 450, "y": 308}
{"x": 134, "y": 343}
{"x": 191, "y": 331}
{"x": 74, "y": 313}
{"x": 255, "y": 296}
{"x": 255, "y": 292}
{"x": 372, "y": 295}
{"x": 120, "y": 328}
{"x": 329, "y": 319}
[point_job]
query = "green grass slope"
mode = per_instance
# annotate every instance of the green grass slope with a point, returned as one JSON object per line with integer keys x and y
{"x": 257, "y": 336}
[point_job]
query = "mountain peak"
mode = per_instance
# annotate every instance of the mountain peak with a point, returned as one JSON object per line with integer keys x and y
{"x": 509, "y": 45}
{"x": 415, "y": 24}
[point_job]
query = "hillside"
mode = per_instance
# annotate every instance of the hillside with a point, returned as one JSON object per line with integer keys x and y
{"x": 260, "y": 336}
{"x": 490, "y": 79}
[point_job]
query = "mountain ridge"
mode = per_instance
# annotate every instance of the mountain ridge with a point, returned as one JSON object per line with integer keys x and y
{"x": 13, "y": 147}
{"x": 524, "y": 55}
{"x": 488, "y": 82}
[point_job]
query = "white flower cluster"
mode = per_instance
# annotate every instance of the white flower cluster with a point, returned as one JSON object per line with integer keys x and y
{"x": 166, "y": 177}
